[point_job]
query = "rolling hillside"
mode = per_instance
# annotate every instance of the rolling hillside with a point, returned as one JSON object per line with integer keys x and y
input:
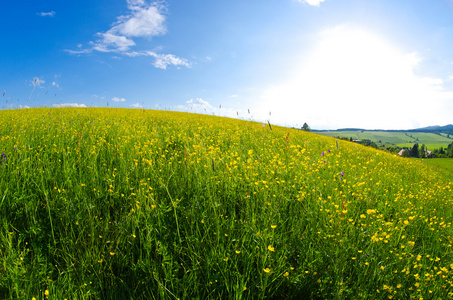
{"x": 396, "y": 138}
{"x": 99, "y": 203}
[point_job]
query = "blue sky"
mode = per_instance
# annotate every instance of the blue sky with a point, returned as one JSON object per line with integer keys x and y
{"x": 333, "y": 64}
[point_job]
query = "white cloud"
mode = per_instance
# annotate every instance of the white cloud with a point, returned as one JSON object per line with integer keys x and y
{"x": 46, "y": 14}
{"x": 69, "y": 105}
{"x": 55, "y": 84}
{"x": 98, "y": 97}
{"x": 136, "y": 105}
{"x": 135, "y": 4}
{"x": 143, "y": 20}
{"x": 83, "y": 51}
{"x": 162, "y": 60}
{"x": 110, "y": 42}
{"x": 199, "y": 103}
{"x": 312, "y": 2}
{"x": 116, "y": 99}
{"x": 353, "y": 78}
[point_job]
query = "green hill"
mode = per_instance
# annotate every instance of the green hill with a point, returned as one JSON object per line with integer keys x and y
{"x": 395, "y": 138}
{"x": 99, "y": 203}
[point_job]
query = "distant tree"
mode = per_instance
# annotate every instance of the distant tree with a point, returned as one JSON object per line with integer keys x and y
{"x": 350, "y": 139}
{"x": 306, "y": 127}
{"x": 423, "y": 151}
{"x": 393, "y": 149}
{"x": 405, "y": 153}
{"x": 368, "y": 143}
{"x": 414, "y": 151}
{"x": 450, "y": 150}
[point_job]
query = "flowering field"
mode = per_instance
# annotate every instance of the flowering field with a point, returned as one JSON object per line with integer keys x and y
{"x": 100, "y": 203}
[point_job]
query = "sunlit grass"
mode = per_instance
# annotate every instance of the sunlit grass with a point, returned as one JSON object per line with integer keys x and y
{"x": 117, "y": 204}
{"x": 440, "y": 163}
{"x": 399, "y": 139}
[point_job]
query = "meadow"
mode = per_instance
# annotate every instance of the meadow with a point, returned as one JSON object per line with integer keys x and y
{"x": 99, "y": 203}
{"x": 399, "y": 139}
{"x": 440, "y": 163}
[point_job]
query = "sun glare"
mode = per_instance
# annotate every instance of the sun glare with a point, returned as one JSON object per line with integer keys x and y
{"x": 352, "y": 72}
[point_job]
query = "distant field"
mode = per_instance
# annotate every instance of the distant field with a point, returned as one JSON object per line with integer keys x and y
{"x": 399, "y": 139}
{"x": 442, "y": 163}
{"x": 429, "y": 146}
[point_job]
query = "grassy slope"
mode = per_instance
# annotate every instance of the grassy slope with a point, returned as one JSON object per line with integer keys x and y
{"x": 399, "y": 139}
{"x": 115, "y": 203}
{"x": 442, "y": 163}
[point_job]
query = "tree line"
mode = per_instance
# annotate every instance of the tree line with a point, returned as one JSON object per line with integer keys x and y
{"x": 422, "y": 152}
{"x": 415, "y": 151}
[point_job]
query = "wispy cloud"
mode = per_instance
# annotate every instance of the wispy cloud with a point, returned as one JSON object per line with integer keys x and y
{"x": 116, "y": 99}
{"x": 98, "y": 97}
{"x": 162, "y": 60}
{"x": 199, "y": 103}
{"x": 46, "y": 14}
{"x": 136, "y": 105}
{"x": 143, "y": 19}
{"x": 69, "y": 105}
{"x": 312, "y": 2}
{"x": 55, "y": 83}
{"x": 82, "y": 51}
{"x": 110, "y": 42}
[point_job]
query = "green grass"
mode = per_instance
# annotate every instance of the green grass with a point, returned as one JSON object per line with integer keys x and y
{"x": 99, "y": 203}
{"x": 430, "y": 147}
{"x": 399, "y": 139}
{"x": 442, "y": 163}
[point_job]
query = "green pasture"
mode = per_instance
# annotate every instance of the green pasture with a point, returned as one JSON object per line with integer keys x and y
{"x": 428, "y": 146}
{"x": 441, "y": 163}
{"x": 399, "y": 139}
